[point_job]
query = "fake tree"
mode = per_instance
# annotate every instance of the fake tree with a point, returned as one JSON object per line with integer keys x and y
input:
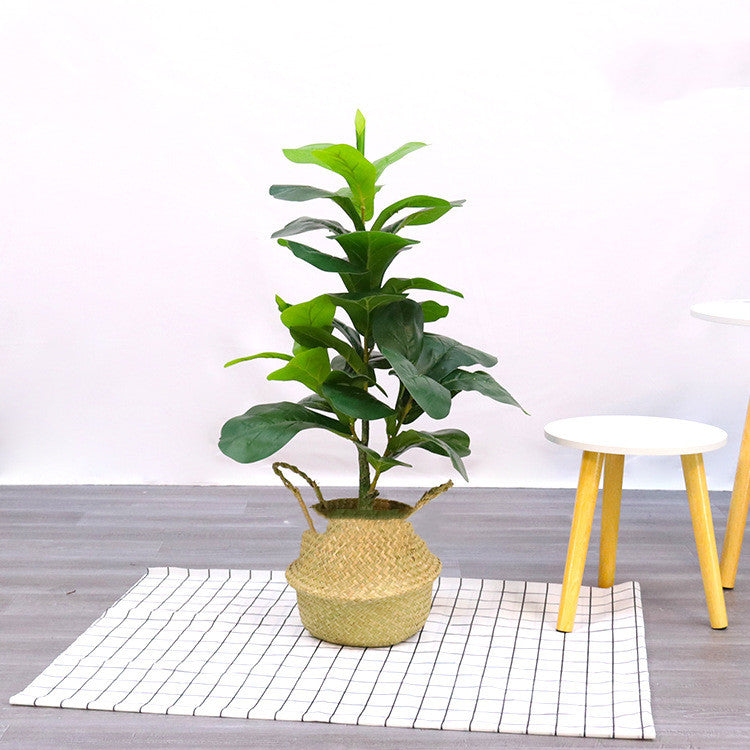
{"x": 383, "y": 331}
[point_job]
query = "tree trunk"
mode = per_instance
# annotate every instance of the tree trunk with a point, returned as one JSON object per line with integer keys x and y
{"x": 365, "y": 500}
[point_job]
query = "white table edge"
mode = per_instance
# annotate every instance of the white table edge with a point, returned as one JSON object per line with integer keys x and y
{"x": 619, "y": 451}
{"x": 712, "y": 318}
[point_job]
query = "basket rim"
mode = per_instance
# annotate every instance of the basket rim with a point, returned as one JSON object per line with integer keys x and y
{"x": 341, "y": 600}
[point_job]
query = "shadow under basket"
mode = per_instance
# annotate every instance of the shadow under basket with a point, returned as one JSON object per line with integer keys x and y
{"x": 363, "y": 581}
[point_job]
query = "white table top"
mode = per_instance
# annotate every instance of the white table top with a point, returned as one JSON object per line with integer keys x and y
{"x": 732, "y": 311}
{"x": 636, "y": 436}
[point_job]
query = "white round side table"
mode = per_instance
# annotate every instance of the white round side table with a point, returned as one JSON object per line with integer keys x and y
{"x": 606, "y": 440}
{"x": 733, "y": 312}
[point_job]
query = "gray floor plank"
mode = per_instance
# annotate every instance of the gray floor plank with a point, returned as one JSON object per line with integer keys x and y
{"x": 97, "y": 541}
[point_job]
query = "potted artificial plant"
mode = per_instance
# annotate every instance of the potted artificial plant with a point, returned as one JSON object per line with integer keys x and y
{"x": 367, "y": 580}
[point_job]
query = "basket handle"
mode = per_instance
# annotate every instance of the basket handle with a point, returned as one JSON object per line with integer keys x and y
{"x": 432, "y": 494}
{"x": 277, "y": 466}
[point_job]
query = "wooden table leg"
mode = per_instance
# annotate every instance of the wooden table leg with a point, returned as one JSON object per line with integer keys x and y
{"x": 580, "y": 531}
{"x": 730, "y": 551}
{"x": 703, "y": 527}
{"x": 611, "y": 497}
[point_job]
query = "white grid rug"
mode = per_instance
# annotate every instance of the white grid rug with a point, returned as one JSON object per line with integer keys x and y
{"x": 230, "y": 643}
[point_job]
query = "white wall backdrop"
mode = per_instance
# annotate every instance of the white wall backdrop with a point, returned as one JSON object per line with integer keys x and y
{"x": 602, "y": 149}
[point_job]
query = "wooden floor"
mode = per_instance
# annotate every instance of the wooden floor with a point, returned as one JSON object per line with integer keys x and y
{"x": 66, "y": 553}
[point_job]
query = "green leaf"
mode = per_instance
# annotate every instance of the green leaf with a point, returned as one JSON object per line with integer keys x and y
{"x": 313, "y": 401}
{"x": 441, "y": 355}
{"x": 359, "y": 127}
{"x": 351, "y": 335}
{"x": 414, "y": 201}
{"x": 372, "y": 253}
{"x": 353, "y": 401}
{"x": 305, "y": 154}
{"x": 299, "y": 193}
{"x": 378, "y": 361}
{"x": 262, "y": 355}
{"x": 348, "y": 378}
{"x": 338, "y": 363}
{"x": 427, "y": 216}
{"x": 482, "y": 382}
{"x": 318, "y": 312}
{"x": 399, "y": 286}
{"x": 433, "y": 311}
{"x": 360, "y": 305}
{"x": 347, "y": 205}
{"x": 451, "y": 443}
{"x": 399, "y": 153}
{"x": 399, "y": 327}
{"x": 320, "y": 260}
{"x": 431, "y": 396}
{"x": 308, "y": 224}
{"x": 458, "y": 440}
{"x": 359, "y": 174}
{"x": 378, "y": 462}
{"x": 345, "y": 192}
{"x": 311, "y": 336}
{"x": 262, "y": 430}
{"x": 281, "y": 304}
{"x": 310, "y": 367}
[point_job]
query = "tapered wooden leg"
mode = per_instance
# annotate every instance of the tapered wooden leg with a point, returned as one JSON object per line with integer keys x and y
{"x": 730, "y": 551}
{"x": 611, "y": 496}
{"x": 583, "y": 516}
{"x": 703, "y": 527}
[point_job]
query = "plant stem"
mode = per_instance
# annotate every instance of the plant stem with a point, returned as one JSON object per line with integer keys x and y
{"x": 365, "y": 497}
{"x": 375, "y": 480}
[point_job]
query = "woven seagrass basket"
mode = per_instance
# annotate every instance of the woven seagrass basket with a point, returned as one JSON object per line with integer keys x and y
{"x": 364, "y": 581}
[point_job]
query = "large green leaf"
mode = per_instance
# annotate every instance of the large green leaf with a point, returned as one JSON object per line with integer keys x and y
{"x": 299, "y": 193}
{"x": 360, "y": 305}
{"x": 482, "y": 382}
{"x": 433, "y": 310}
{"x": 360, "y": 174}
{"x": 306, "y": 154}
{"x": 318, "y": 312}
{"x": 414, "y": 201}
{"x": 441, "y": 355}
{"x": 308, "y": 224}
{"x": 262, "y": 355}
{"x": 354, "y": 401}
{"x": 399, "y": 286}
{"x": 399, "y": 327}
{"x": 359, "y": 128}
{"x": 311, "y": 336}
{"x": 372, "y": 252}
{"x": 320, "y": 260}
{"x": 262, "y": 430}
{"x": 399, "y": 153}
{"x": 310, "y": 367}
{"x": 451, "y": 443}
{"x": 432, "y": 397}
